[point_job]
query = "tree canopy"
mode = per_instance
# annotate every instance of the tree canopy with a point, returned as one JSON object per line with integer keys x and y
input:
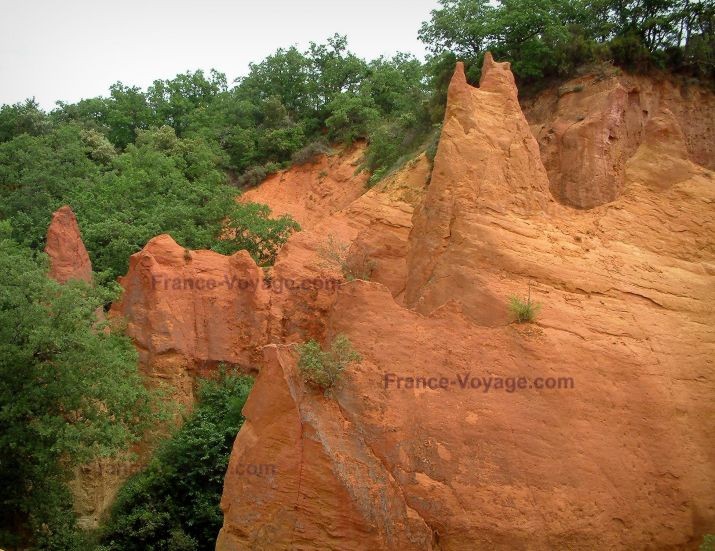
{"x": 548, "y": 38}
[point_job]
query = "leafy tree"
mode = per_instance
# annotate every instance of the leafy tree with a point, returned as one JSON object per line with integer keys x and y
{"x": 465, "y": 27}
{"x": 546, "y": 38}
{"x": 173, "y": 101}
{"x": 174, "y": 503}
{"x": 283, "y": 75}
{"x": 251, "y": 228}
{"x": 22, "y": 118}
{"x": 126, "y": 112}
{"x": 161, "y": 184}
{"x": 38, "y": 174}
{"x": 334, "y": 70}
{"x": 70, "y": 392}
{"x": 350, "y": 117}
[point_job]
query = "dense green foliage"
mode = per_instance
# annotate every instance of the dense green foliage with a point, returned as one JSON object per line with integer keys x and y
{"x": 69, "y": 392}
{"x": 323, "y": 368}
{"x": 174, "y": 503}
{"x": 551, "y": 38}
{"x": 158, "y": 184}
{"x": 138, "y": 163}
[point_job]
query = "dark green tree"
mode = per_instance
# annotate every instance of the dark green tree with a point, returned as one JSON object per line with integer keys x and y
{"x": 174, "y": 503}
{"x": 69, "y": 392}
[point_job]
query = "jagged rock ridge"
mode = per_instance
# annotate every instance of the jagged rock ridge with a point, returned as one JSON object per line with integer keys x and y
{"x": 621, "y": 460}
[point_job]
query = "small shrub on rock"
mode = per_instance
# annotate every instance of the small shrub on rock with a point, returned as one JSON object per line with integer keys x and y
{"x": 353, "y": 264}
{"x": 255, "y": 175}
{"x": 323, "y": 368}
{"x": 524, "y": 310}
{"x": 310, "y": 153}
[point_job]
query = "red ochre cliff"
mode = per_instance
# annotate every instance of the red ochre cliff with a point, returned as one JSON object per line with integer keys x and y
{"x": 598, "y": 198}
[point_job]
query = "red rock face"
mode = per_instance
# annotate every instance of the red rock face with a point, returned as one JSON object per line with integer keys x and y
{"x": 590, "y": 127}
{"x": 296, "y": 452}
{"x": 188, "y": 311}
{"x": 313, "y": 191}
{"x": 68, "y": 256}
{"x": 621, "y": 459}
{"x": 487, "y": 161}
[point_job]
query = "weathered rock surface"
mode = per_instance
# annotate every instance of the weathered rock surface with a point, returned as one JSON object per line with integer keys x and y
{"x": 296, "y": 452}
{"x": 312, "y": 191}
{"x": 373, "y": 232}
{"x": 623, "y": 460}
{"x": 65, "y": 248}
{"x": 188, "y": 311}
{"x": 487, "y": 162}
{"x": 591, "y": 126}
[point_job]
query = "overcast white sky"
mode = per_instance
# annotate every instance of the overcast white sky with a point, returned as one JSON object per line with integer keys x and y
{"x": 72, "y": 49}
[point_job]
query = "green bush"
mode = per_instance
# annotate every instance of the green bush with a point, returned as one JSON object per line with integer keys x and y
{"x": 350, "y": 117}
{"x": 256, "y": 174}
{"x": 708, "y": 543}
{"x": 523, "y": 310}
{"x": 70, "y": 392}
{"x": 173, "y": 504}
{"x": 251, "y": 228}
{"x": 323, "y": 368}
{"x": 433, "y": 144}
{"x": 310, "y": 153}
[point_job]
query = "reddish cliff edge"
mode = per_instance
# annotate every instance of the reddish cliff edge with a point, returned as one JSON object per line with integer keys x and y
{"x": 624, "y": 459}
{"x": 599, "y": 197}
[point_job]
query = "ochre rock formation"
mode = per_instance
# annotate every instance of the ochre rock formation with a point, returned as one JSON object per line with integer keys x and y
{"x": 589, "y": 128}
{"x": 620, "y": 457}
{"x": 373, "y": 231}
{"x": 296, "y": 452}
{"x": 312, "y": 191}
{"x": 188, "y": 311}
{"x": 68, "y": 256}
{"x": 487, "y": 162}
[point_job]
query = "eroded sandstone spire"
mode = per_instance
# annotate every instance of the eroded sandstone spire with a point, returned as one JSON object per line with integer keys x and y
{"x": 68, "y": 255}
{"x": 487, "y": 161}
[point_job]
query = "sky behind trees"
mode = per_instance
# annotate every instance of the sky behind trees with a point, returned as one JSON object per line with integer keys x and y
{"x": 71, "y": 50}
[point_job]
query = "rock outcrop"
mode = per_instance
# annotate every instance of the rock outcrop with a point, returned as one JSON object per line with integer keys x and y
{"x": 188, "y": 311}
{"x": 65, "y": 248}
{"x": 607, "y": 442}
{"x": 487, "y": 162}
{"x": 591, "y": 126}
{"x": 371, "y": 238}
{"x": 295, "y": 451}
{"x": 314, "y": 190}
{"x": 182, "y": 331}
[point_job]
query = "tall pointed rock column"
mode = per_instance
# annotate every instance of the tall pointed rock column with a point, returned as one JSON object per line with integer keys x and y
{"x": 487, "y": 162}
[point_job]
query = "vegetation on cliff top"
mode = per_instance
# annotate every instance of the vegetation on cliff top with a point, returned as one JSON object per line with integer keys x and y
{"x": 552, "y": 38}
